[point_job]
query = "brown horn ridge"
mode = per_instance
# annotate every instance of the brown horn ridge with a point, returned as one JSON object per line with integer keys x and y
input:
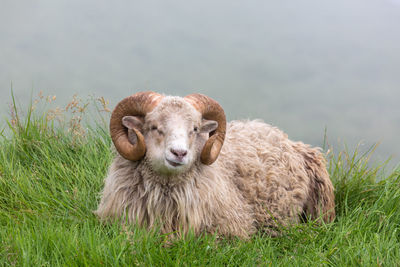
{"x": 210, "y": 110}
{"x": 135, "y": 105}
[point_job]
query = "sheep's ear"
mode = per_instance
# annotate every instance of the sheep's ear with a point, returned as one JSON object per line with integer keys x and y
{"x": 131, "y": 122}
{"x": 208, "y": 126}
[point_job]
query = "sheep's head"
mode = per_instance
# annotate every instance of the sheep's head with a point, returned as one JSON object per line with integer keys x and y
{"x": 171, "y": 132}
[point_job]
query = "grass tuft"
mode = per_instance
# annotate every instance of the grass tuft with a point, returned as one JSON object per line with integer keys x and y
{"x": 52, "y": 166}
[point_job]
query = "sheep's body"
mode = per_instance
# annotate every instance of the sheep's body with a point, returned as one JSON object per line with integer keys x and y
{"x": 260, "y": 180}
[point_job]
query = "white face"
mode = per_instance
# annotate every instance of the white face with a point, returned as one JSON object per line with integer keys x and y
{"x": 174, "y": 138}
{"x": 170, "y": 145}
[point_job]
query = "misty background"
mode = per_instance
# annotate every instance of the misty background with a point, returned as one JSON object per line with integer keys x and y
{"x": 300, "y": 65}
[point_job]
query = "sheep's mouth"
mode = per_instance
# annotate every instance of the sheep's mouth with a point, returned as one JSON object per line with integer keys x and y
{"x": 174, "y": 164}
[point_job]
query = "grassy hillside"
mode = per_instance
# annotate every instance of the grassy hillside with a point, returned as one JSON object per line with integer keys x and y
{"x": 52, "y": 170}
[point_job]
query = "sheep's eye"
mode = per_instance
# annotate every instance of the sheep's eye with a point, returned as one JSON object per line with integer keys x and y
{"x": 196, "y": 129}
{"x": 154, "y": 128}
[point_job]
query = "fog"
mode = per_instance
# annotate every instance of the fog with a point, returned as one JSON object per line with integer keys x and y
{"x": 300, "y": 65}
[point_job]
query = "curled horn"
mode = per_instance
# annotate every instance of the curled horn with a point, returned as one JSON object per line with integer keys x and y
{"x": 210, "y": 110}
{"x": 135, "y": 105}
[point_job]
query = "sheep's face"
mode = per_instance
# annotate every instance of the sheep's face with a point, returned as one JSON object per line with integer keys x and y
{"x": 174, "y": 133}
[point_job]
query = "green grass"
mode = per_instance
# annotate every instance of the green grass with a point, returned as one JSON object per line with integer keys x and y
{"x": 51, "y": 176}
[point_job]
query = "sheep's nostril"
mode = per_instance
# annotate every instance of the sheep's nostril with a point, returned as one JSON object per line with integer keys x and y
{"x": 179, "y": 153}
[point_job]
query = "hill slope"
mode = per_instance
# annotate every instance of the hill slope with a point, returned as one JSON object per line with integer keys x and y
{"x": 51, "y": 175}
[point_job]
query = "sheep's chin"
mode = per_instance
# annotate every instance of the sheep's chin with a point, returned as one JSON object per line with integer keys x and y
{"x": 168, "y": 167}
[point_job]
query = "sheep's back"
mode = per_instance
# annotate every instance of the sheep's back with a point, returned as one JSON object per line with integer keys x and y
{"x": 268, "y": 169}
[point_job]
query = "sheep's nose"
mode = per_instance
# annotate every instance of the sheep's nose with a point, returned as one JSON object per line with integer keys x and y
{"x": 179, "y": 153}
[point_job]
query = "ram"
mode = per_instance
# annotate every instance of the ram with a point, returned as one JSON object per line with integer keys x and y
{"x": 182, "y": 168}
